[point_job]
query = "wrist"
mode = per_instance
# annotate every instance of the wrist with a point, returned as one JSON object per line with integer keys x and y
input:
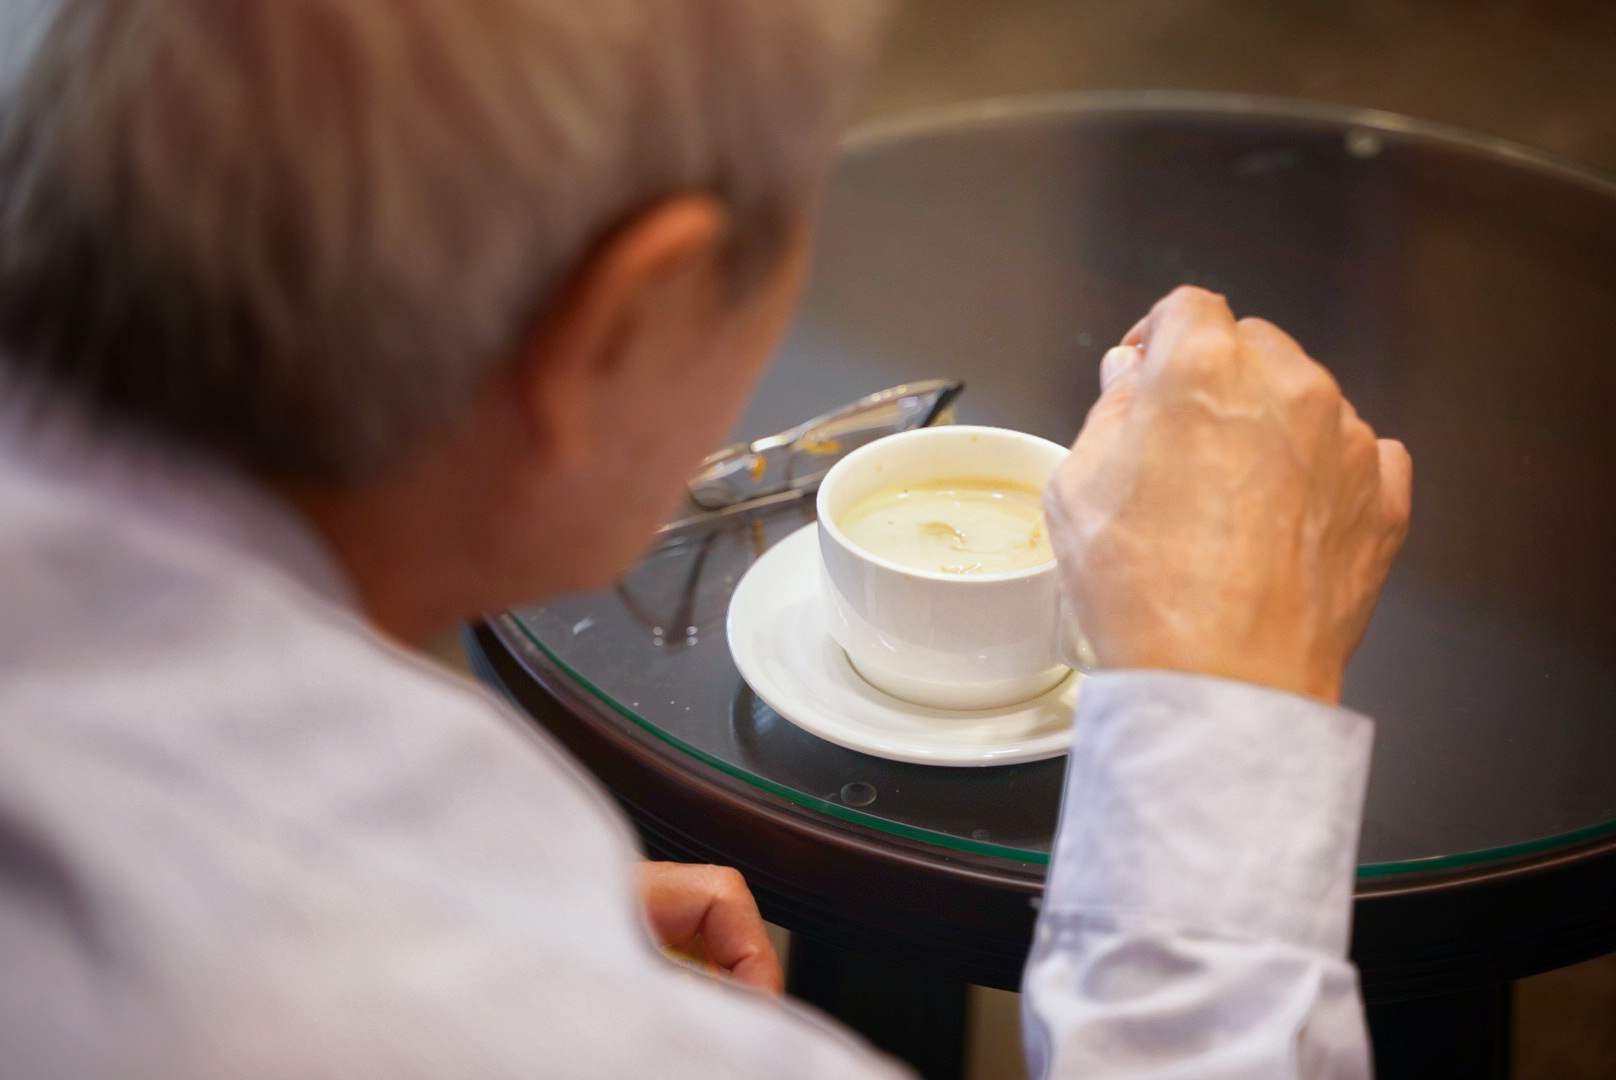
{"x": 1319, "y": 681}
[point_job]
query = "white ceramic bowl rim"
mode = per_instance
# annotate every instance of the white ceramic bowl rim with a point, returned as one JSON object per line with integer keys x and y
{"x": 840, "y": 537}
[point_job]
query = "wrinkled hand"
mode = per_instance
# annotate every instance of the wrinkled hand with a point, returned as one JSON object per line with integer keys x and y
{"x": 1224, "y": 510}
{"x": 708, "y": 914}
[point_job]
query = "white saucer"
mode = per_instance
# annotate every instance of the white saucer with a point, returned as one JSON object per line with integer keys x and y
{"x": 778, "y": 638}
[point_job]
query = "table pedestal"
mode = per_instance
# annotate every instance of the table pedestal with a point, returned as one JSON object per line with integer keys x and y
{"x": 914, "y": 1016}
{"x": 921, "y": 1018}
{"x": 1462, "y": 1036}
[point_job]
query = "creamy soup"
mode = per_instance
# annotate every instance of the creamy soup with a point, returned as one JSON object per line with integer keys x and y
{"x": 955, "y": 525}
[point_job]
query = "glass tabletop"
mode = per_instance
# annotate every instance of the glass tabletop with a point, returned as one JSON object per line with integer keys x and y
{"x": 1462, "y": 290}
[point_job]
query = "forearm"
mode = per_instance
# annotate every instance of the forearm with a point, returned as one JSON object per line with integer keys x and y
{"x": 1199, "y": 903}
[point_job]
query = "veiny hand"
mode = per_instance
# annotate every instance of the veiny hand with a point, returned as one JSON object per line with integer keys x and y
{"x": 1224, "y": 510}
{"x": 707, "y": 913}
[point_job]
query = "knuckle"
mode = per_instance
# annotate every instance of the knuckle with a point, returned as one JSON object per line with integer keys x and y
{"x": 1360, "y": 452}
{"x": 1271, "y": 342}
{"x": 1356, "y": 430}
{"x": 1191, "y": 302}
{"x": 1312, "y": 387}
{"x": 1267, "y": 339}
{"x": 1399, "y": 518}
{"x": 728, "y": 882}
{"x": 1205, "y": 349}
{"x": 1394, "y": 526}
{"x": 1184, "y": 294}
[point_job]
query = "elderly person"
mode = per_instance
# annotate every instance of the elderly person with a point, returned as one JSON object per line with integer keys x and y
{"x": 326, "y": 323}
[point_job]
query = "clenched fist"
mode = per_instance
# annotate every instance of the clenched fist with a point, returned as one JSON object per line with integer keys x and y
{"x": 1224, "y": 510}
{"x": 708, "y": 914}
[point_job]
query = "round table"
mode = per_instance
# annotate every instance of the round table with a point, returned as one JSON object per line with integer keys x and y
{"x": 1463, "y": 291}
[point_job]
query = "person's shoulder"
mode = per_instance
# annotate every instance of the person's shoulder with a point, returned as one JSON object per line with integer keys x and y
{"x": 209, "y": 666}
{"x": 99, "y": 586}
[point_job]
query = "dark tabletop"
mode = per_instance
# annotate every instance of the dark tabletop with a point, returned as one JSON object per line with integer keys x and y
{"x": 1463, "y": 291}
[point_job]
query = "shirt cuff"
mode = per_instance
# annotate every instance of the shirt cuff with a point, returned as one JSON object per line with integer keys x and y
{"x": 1211, "y": 805}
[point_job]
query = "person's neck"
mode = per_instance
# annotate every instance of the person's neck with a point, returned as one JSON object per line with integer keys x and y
{"x": 409, "y": 576}
{"x": 421, "y": 545}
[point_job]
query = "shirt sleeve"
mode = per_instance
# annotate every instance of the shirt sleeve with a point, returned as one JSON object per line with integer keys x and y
{"x": 1197, "y": 916}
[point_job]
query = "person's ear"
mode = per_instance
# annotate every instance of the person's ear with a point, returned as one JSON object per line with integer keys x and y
{"x": 599, "y": 321}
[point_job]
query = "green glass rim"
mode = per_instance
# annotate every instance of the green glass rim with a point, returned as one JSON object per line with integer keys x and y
{"x": 1501, "y": 853}
{"x": 823, "y": 806}
{"x": 951, "y": 842}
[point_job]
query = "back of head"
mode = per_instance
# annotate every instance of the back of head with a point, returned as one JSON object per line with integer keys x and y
{"x": 302, "y": 232}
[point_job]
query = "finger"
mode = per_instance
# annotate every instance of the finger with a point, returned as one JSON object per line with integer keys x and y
{"x": 1191, "y": 338}
{"x": 1185, "y": 310}
{"x": 1136, "y": 333}
{"x": 1299, "y": 374}
{"x": 1119, "y": 384}
{"x": 1118, "y": 362}
{"x": 1141, "y": 332}
{"x": 1396, "y": 488}
{"x": 735, "y": 936}
{"x": 683, "y": 903}
{"x": 1309, "y": 390}
{"x": 1269, "y": 342}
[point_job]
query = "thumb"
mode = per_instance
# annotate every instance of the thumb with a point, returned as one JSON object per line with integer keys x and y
{"x": 1071, "y": 486}
{"x": 1117, "y": 362}
{"x": 1396, "y": 488}
{"x": 1119, "y": 383}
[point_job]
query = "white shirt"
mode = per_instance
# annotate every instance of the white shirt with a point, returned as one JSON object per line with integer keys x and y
{"x": 242, "y": 835}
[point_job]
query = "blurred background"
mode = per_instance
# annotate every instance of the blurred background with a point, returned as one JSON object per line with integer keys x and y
{"x": 1540, "y": 72}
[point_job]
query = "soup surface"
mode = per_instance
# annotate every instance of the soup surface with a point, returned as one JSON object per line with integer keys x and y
{"x": 953, "y": 525}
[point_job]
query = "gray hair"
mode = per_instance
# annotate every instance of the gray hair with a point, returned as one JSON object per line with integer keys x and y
{"x": 302, "y": 232}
